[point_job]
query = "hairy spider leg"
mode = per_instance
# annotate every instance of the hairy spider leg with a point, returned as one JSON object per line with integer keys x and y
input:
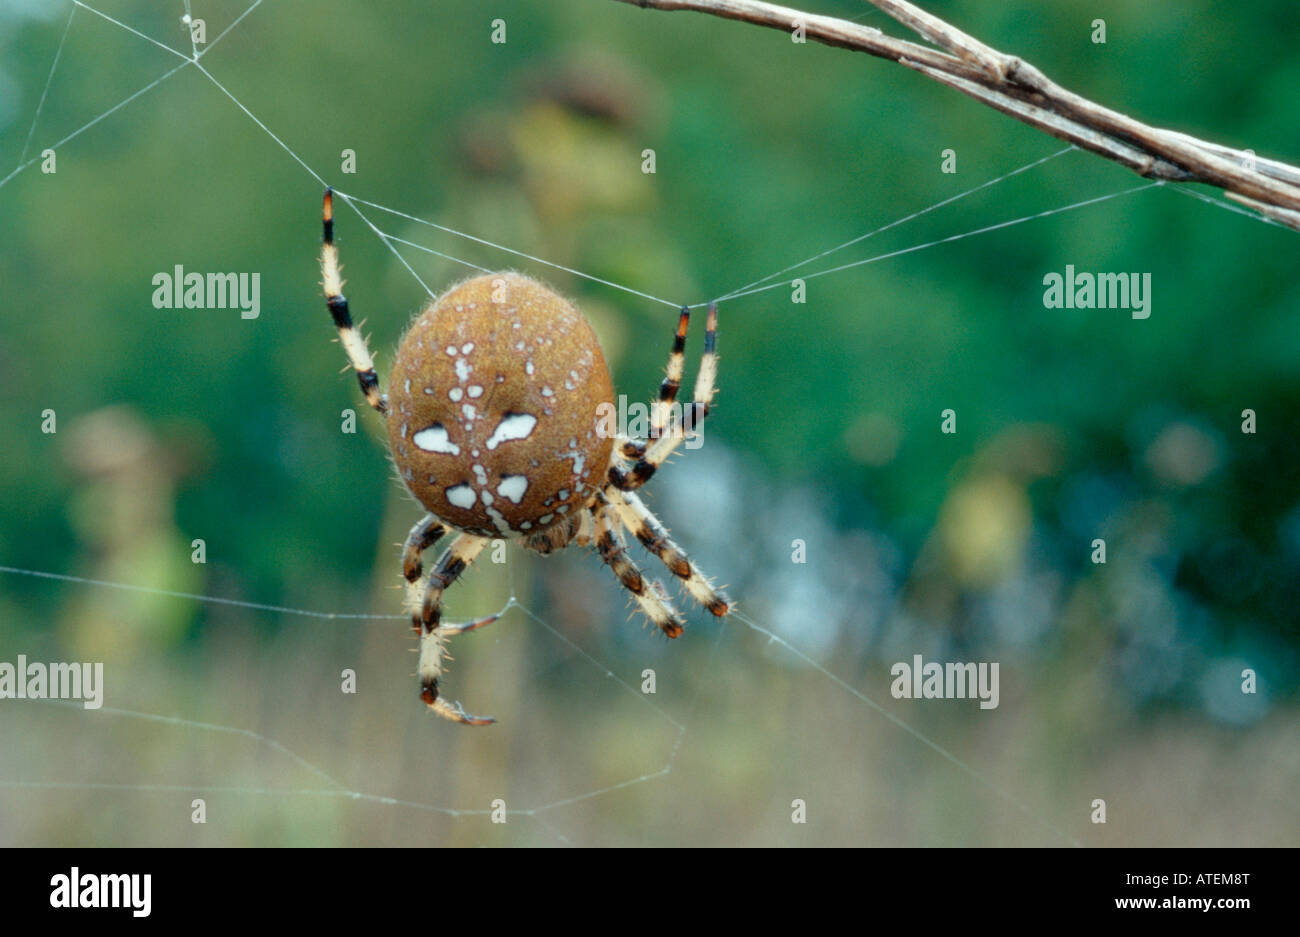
{"x": 423, "y": 535}
{"x": 426, "y": 616}
{"x": 647, "y": 528}
{"x": 656, "y": 451}
{"x": 661, "y": 409}
{"x": 650, "y": 594}
{"x": 353, "y": 342}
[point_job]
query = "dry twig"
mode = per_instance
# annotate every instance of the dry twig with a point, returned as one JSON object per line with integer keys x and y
{"x": 1015, "y": 87}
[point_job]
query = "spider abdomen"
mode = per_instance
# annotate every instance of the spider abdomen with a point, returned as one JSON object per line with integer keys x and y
{"x": 493, "y": 404}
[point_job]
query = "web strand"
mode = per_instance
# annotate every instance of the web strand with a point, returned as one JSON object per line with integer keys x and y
{"x": 429, "y": 250}
{"x": 508, "y": 250}
{"x": 337, "y": 788}
{"x": 1228, "y": 206}
{"x": 741, "y": 291}
{"x": 150, "y": 39}
{"x": 389, "y": 244}
{"x": 957, "y": 237}
{"x": 86, "y": 126}
{"x": 938, "y": 749}
{"x": 213, "y": 727}
{"x": 222, "y": 35}
{"x": 265, "y": 129}
{"x": 210, "y": 599}
{"x": 49, "y": 79}
{"x": 340, "y": 790}
{"x": 605, "y": 670}
{"x": 189, "y": 28}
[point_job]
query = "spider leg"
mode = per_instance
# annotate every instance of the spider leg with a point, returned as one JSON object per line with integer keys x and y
{"x": 424, "y": 535}
{"x": 652, "y": 454}
{"x": 650, "y": 594}
{"x": 426, "y": 616}
{"x": 662, "y": 408}
{"x": 672, "y": 379}
{"x": 586, "y": 529}
{"x": 353, "y": 343}
{"x": 647, "y": 528}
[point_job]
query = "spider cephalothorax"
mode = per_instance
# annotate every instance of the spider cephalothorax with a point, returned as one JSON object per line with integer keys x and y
{"x": 494, "y": 422}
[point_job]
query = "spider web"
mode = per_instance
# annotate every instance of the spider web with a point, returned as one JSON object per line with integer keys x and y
{"x": 330, "y": 787}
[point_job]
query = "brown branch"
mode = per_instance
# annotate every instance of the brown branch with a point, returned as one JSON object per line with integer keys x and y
{"x": 1018, "y": 89}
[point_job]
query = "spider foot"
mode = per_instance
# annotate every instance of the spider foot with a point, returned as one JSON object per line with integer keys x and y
{"x": 720, "y": 604}
{"x": 669, "y": 622}
{"x": 452, "y": 711}
{"x": 432, "y": 654}
{"x": 450, "y": 629}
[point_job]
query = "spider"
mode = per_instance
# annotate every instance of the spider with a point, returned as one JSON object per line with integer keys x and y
{"x": 493, "y": 416}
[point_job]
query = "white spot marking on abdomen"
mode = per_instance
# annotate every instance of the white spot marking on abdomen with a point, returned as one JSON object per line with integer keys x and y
{"x": 498, "y": 519}
{"x": 512, "y": 426}
{"x": 513, "y": 487}
{"x": 461, "y": 496}
{"x": 435, "y": 439}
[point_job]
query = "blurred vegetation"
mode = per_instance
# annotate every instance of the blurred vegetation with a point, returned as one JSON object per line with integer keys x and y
{"x": 1119, "y": 681}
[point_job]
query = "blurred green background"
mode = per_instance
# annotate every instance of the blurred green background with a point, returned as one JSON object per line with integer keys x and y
{"x": 1119, "y": 681}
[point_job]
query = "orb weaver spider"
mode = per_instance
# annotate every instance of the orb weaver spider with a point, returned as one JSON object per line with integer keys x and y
{"x": 493, "y": 424}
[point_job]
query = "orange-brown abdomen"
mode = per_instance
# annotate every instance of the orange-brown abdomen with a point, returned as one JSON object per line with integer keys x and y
{"x": 493, "y": 407}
